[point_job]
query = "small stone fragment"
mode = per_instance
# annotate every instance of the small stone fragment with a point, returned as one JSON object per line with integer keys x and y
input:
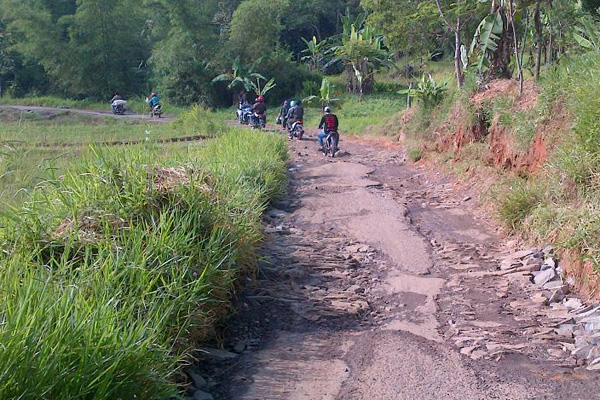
{"x": 573, "y": 303}
{"x": 544, "y": 277}
{"x": 201, "y": 395}
{"x": 217, "y": 355}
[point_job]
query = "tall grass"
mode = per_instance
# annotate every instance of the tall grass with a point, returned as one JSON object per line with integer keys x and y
{"x": 114, "y": 269}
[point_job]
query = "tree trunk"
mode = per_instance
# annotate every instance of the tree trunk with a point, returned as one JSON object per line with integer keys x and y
{"x": 500, "y": 60}
{"x": 538, "y": 32}
{"x": 516, "y": 44}
{"x": 457, "y": 58}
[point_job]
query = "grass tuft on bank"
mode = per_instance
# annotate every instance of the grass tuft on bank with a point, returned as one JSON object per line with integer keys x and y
{"x": 113, "y": 269}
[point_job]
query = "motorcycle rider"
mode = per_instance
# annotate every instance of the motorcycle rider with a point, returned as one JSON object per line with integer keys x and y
{"x": 283, "y": 112}
{"x": 329, "y": 123}
{"x": 153, "y": 100}
{"x": 296, "y": 113}
{"x": 116, "y": 97}
{"x": 259, "y": 109}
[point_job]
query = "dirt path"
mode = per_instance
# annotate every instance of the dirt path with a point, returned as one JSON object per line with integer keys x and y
{"x": 380, "y": 282}
{"x": 91, "y": 113}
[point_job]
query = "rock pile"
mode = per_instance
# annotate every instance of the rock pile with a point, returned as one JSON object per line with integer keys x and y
{"x": 579, "y": 331}
{"x": 544, "y": 268}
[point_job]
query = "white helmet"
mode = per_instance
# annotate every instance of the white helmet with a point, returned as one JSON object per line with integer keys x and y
{"x": 327, "y": 109}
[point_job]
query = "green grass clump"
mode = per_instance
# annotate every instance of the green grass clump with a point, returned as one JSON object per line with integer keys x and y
{"x": 114, "y": 269}
{"x": 415, "y": 154}
{"x": 516, "y": 204}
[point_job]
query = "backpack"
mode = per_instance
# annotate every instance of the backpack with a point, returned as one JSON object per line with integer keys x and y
{"x": 330, "y": 123}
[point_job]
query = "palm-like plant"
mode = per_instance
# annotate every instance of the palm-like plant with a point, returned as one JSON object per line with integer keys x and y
{"x": 326, "y": 92}
{"x": 261, "y": 89}
{"x": 314, "y": 53}
{"x": 363, "y": 53}
{"x": 241, "y": 75}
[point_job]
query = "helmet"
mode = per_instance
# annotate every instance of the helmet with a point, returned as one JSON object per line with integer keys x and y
{"x": 327, "y": 109}
{"x": 153, "y": 94}
{"x": 293, "y": 103}
{"x": 298, "y": 102}
{"x": 260, "y": 99}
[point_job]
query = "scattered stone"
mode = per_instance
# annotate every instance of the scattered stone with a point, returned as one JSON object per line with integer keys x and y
{"x": 573, "y": 303}
{"x": 199, "y": 382}
{"x": 201, "y": 395}
{"x": 565, "y": 330}
{"x": 217, "y": 355}
{"x": 508, "y": 264}
{"x": 556, "y": 353}
{"x": 544, "y": 277}
{"x": 275, "y": 213}
{"x": 548, "y": 250}
{"x": 467, "y": 199}
{"x": 240, "y": 346}
{"x": 467, "y": 350}
{"x": 549, "y": 264}
{"x": 519, "y": 255}
{"x": 555, "y": 285}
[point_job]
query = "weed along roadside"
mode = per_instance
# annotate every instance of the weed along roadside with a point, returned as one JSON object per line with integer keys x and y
{"x": 114, "y": 271}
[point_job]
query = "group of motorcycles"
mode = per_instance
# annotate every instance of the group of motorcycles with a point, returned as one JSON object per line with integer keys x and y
{"x": 120, "y": 106}
{"x": 246, "y": 116}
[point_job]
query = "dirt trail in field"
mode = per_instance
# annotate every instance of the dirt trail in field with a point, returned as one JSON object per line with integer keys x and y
{"x": 379, "y": 281}
{"x": 90, "y": 113}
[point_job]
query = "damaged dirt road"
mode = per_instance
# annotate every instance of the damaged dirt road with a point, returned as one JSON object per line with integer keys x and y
{"x": 379, "y": 281}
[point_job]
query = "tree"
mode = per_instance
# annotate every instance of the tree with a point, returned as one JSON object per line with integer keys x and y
{"x": 314, "y": 54}
{"x": 362, "y": 52}
{"x": 256, "y": 28}
{"x": 96, "y": 50}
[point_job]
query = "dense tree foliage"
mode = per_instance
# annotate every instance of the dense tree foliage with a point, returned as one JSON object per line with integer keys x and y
{"x": 92, "y": 48}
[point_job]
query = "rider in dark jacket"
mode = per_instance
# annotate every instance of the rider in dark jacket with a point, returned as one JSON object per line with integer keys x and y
{"x": 329, "y": 123}
{"x": 296, "y": 113}
{"x": 259, "y": 109}
{"x": 283, "y": 112}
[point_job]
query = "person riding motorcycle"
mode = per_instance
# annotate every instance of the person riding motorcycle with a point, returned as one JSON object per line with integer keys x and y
{"x": 153, "y": 100}
{"x": 116, "y": 97}
{"x": 296, "y": 113}
{"x": 283, "y": 111}
{"x": 259, "y": 109}
{"x": 329, "y": 123}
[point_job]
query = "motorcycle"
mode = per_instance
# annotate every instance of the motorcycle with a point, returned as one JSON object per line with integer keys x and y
{"x": 156, "y": 111}
{"x": 244, "y": 115}
{"x": 297, "y": 130}
{"x": 259, "y": 121}
{"x": 331, "y": 142}
{"x": 118, "y": 107}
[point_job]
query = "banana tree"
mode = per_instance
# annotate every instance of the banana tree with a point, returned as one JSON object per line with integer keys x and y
{"x": 241, "y": 75}
{"x": 261, "y": 89}
{"x": 495, "y": 40}
{"x": 314, "y": 53}
{"x": 326, "y": 92}
{"x": 363, "y": 53}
